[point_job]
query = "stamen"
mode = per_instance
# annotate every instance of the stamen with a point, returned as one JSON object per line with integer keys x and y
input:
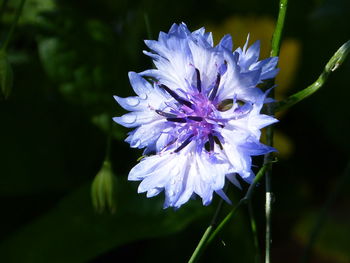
{"x": 199, "y": 83}
{"x": 218, "y": 142}
{"x": 184, "y": 144}
{"x": 195, "y": 118}
{"x": 165, "y": 114}
{"x": 211, "y": 141}
{"x": 176, "y": 97}
{"x": 216, "y": 86}
{"x": 182, "y": 120}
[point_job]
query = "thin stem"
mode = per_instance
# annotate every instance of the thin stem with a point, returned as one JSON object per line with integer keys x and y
{"x": 275, "y": 48}
{"x": 13, "y": 26}
{"x": 323, "y": 214}
{"x": 268, "y": 210}
{"x": 109, "y": 140}
{"x": 148, "y": 26}
{"x": 209, "y": 235}
{"x": 277, "y": 35}
{"x": 225, "y": 220}
{"x": 218, "y": 209}
{"x": 254, "y": 231}
{"x": 202, "y": 243}
{"x": 244, "y": 200}
{"x": 336, "y": 60}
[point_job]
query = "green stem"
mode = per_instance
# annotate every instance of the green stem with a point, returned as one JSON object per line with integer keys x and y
{"x": 202, "y": 243}
{"x": 336, "y": 60}
{"x": 323, "y": 214}
{"x": 148, "y": 26}
{"x": 244, "y": 200}
{"x": 13, "y": 26}
{"x": 254, "y": 232}
{"x": 218, "y": 209}
{"x": 268, "y": 203}
{"x": 209, "y": 235}
{"x": 275, "y": 49}
{"x": 109, "y": 141}
{"x": 277, "y": 35}
{"x": 224, "y": 221}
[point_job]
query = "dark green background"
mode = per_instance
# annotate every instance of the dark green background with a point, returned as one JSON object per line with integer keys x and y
{"x": 68, "y": 61}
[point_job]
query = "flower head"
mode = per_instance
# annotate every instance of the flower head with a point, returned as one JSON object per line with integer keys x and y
{"x": 197, "y": 115}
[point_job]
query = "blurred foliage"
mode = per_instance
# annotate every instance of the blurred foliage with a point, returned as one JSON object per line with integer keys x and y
{"x": 70, "y": 57}
{"x": 6, "y": 75}
{"x": 335, "y": 229}
{"x": 77, "y": 234}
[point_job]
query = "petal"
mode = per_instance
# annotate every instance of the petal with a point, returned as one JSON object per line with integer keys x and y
{"x": 233, "y": 179}
{"x": 268, "y": 67}
{"x": 147, "y": 134}
{"x": 240, "y": 161}
{"x": 154, "y": 192}
{"x": 141, "y": 86}
{"x": 187, "y": 186}
{"x": 262, "y": 120}
{"x": 131, "y": 103}
{"x": 250, "y": 78}
{"x": 136, "y": 118}
{"x": 226, "y": 42}
{"x": 254, "y": 148}
{"x": 247, "y": 176}
{"x": 250, "y": 56}
{"x": 222, "y": 194}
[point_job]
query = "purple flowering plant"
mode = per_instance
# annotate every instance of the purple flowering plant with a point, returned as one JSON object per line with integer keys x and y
{"x": 197, "y": 115}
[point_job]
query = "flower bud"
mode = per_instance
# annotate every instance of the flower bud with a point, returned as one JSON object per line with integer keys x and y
{"x": 103, "y": 189}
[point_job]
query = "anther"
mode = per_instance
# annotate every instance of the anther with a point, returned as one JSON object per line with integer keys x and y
{"x": 181, "y": 120}
{"x": 216, "y": 86}
{"x": 165, "y": 114}
{"x": 184, "y": 144}
{"x": 199, "y": 83}
{"x": 211, "y": 141}
{"x": 176, "y": 97}
{"x": 195, "y": 118}
{"x": 218, "y": 142}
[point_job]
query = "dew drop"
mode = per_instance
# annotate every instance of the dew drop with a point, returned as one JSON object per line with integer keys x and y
{"x": 133, "y": 101}
{"x": 129, "y": 118}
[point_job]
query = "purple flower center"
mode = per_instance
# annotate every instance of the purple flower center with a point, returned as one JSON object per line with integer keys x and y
{"x": 195, "y": 115}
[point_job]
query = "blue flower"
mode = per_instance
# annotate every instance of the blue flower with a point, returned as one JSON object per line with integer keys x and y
{"x": 197, "y": 115}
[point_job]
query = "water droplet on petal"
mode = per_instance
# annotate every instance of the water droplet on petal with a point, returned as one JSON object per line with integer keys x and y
{"x": 133, "y": 101}
{"x": 129, "y": 118}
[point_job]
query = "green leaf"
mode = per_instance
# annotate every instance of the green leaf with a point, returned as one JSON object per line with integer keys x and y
{"x": 73, "y": 232}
